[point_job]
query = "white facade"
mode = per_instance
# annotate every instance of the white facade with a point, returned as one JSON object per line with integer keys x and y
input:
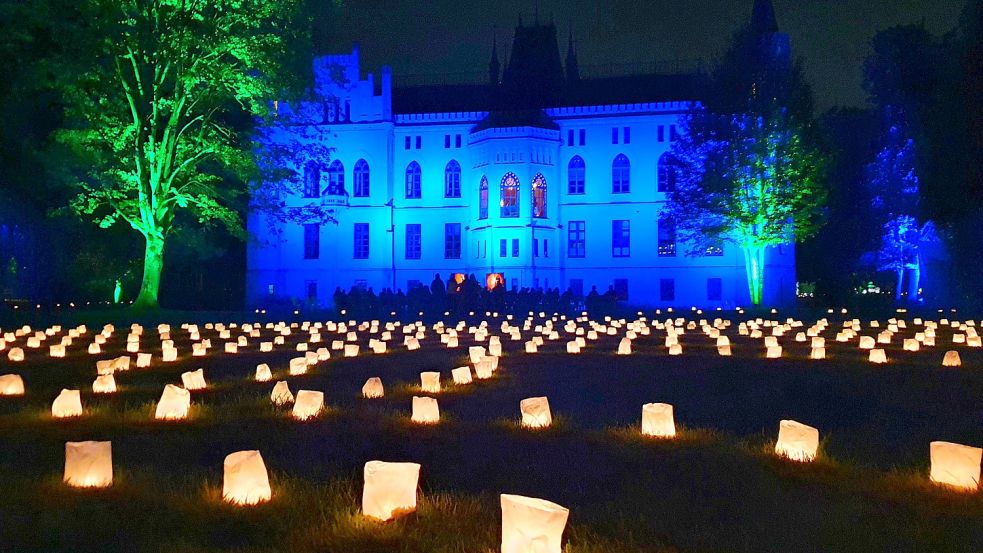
{"x": 359, "y": 124}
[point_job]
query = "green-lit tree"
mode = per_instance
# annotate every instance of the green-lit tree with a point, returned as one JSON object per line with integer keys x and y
{"x": 161, "y": 97}
{"x": 746, "y": 180}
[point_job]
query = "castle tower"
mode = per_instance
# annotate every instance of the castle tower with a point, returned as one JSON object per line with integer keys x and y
{"x": 573, "y": 71}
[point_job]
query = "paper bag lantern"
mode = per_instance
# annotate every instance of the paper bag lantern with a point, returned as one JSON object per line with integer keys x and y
{"x": 951, "y": 359}
{"x": 797, "y": 441}
{"x": 676, "y": 349}
{"x": 425, "y": 410}
{"x": 532, "y": 525}
{"x": 531, "y": 347}
{"x": 573, "y": 347}
{"x": 658, "y": 421}
{"x": 373, "y": 388}
{"x": 351, "y": 350}
{"x": 956, "y": 465}
{"x": 390, "y": 489}
{"x": 624, "y": 347}
{"x": 817, "y": 353}
{"x": 430, "y": 382}
{"x": 298, "y": 366}
{"x": 877, "y": 355}
{"x": 67, "y": 404}
{"x": 143, "y": 360}
{"x": 169, "y": 355}
{"x": 379, "y": 347}
{"x": 867, "y": 342}
{"x": 174, "y": 403}
{"x": 16, "y": 355}
{"x": 818, "y": 342}
{"x": 910, "y": 344}
{"x": 461, "y": 375}
{"x": 483, "y": 368}
{"x": 281, "y": 394}
{"x": 265, "y": 347}
{"x": 308, "y": 404}
{"x": 104, "y": 384}
{"x": 246, "y": 481}
{"x": 263, "y": 373}
{"x": 535, "y": 412}
{"x": 11, "y": 385}
{"x": 476, "y": 353}
{"x": 194, "y": 380}
{"x": 231, "y": 347}
{"x": 89, "y": 464}
{"x": 56, "y": 350}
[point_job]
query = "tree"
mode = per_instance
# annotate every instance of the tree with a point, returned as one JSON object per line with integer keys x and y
{"x": 160, "y": 99}
{"x": 894, "y": 185}
{"x": 747, "y": 180}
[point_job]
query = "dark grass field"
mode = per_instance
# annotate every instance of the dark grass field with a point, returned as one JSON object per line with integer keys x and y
{"x": 717, "y": 487}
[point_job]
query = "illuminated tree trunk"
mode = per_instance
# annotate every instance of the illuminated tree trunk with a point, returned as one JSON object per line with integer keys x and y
{"x": 914, "y": 279}
{"x": 754, "y": 266}
{"x": 897, "y": 287}
{"x": 153, "y": 264}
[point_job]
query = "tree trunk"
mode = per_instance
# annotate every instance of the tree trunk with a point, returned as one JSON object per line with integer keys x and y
{"x": 915, "y": 280}
{"x": 153, "y": 263}
{"x": 897, "y": 287}
{"x": 754, "y": 268}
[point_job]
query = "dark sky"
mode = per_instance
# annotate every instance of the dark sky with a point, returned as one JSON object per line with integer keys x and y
{"x": 452, "y": 36}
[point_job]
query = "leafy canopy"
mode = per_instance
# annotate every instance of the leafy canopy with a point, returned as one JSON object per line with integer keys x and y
{"x": 161, "y": 96}
{"x": 744, "y": 179}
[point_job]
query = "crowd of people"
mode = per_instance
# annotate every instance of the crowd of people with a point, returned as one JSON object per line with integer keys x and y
{"x": 468, "y": 296}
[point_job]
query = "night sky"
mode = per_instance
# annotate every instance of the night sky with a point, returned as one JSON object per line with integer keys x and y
{"x": 454, "y": 36}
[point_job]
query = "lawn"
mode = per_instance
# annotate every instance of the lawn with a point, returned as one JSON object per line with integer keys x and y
{"x": 716, "y": 487}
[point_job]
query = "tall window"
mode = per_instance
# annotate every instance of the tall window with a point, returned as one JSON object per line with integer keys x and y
{"x": 413, "y": 180}
{"x": 413, "y": 233}
{"x": 452, "y": 180}
{"x": 510, "y": 195}
{"x": 452, "y": 240}
{"x": 621, "y": 175}
{"x": 336, "y": 179}
{"x": 483, "y": 198}
{"x": 312, "y": 180}
{"x": 576, "y": 239}
{"x": 539, "y": 196}
{"x": 312, "y": 241}
{"x": 668, "y": 172}
{"x": 621, "y": 238}
{"x": 503, "y": 248}
{"x": 576, "y": 175}
{"x": 667, "y": 237}
{"x": 515, "y": 247}
{"x": 361, "y": 250}
{"x": 361, "y": 179}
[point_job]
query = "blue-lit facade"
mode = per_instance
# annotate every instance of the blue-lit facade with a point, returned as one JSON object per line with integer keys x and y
{"x": 570, "y": 199}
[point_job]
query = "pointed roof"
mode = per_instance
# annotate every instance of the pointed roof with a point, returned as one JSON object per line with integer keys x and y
{"x": 763, "y": 20}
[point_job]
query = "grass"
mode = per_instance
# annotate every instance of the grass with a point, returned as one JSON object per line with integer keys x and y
{"x": 716, "y": 487}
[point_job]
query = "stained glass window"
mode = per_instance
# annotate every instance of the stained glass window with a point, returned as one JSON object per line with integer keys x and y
{"x": 539, "y": 196}
{"x": 413, "y": 180}
{"x": 510, "y": 195}
{"x": 483, "y": 198}
{"x": 452, "y": 179}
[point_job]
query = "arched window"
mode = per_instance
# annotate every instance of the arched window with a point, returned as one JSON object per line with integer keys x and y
{"x": 539, "y": 196}
{"x": 576, "y": 174}
{"x": 452, "y": 180}
{"x": 361, "y": 179}
{"x": 336, "y": 179}
{"x": 312, "y": 180}
{"x": 510, "y": 195}
{"x": 668, "y": 172}
{"x": 621, "y": 175}
{"x": 413, "y": 180}
{"x": 483, "y": 198}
